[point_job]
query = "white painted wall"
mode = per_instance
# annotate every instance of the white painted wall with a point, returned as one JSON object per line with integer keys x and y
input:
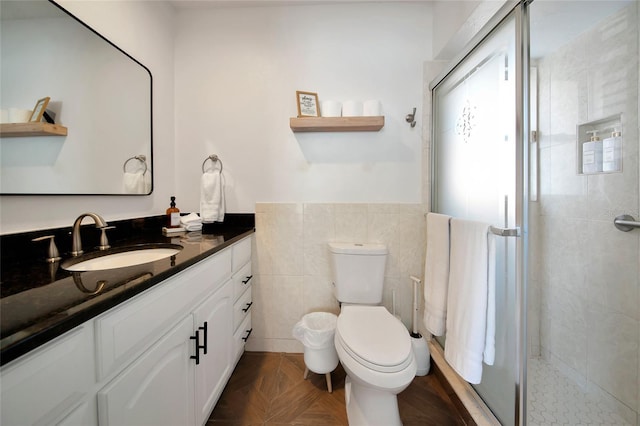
{"x": 451, "y": 17}
{"x": 237, "y": 71}
{"x": 458, "y": 22}
{"x": 145, "y": 31}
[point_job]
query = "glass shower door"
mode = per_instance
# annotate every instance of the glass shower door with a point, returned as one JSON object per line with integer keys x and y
{"x": 584, "y": 280}
{"x": 474, "y": 158}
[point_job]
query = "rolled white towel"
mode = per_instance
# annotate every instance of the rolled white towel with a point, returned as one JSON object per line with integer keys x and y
{"x": 191, "y": 222}
{"x": 193, "y": 226}
{"x": 190, "y": 218}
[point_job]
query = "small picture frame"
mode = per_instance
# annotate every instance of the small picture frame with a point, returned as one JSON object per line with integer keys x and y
{"x": 307, "y": 104}
{"x": 39, "y": 109}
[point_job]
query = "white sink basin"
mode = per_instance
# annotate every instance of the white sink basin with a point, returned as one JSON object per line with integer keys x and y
{"x": 121, "y": 258}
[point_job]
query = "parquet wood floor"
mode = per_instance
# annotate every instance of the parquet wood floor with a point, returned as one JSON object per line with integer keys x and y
{"x": 269, "y": 389}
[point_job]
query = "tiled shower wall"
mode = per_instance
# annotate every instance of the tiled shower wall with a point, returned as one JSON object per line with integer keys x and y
{"x": 291, "y": 265}
{"x": 584, "y": 285}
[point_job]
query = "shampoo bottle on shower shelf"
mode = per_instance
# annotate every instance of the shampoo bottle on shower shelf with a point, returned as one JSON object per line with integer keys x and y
{"x": 612, "y": 152}
{"x": 173, "y": 215}
{"x": 592, "y": 154}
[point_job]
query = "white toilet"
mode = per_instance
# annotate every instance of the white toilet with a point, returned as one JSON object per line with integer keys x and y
{"x": 373, "y": 346}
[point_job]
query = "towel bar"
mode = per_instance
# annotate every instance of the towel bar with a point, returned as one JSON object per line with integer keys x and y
{"x": 140, "y": 158}
{"x": 505, "y": 232}
{"x": 625, "y": 223}
{"x": 214, "y": 158}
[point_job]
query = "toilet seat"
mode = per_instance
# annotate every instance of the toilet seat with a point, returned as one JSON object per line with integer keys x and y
{"x": 374, "y": 338}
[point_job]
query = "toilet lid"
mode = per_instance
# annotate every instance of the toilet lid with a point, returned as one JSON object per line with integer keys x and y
{"x": 374, "y": 338}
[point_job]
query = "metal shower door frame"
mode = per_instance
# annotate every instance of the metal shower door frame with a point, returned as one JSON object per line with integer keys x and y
{"x": 520, "y": 11}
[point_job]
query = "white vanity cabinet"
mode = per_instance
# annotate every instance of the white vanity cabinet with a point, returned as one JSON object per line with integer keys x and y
{"x": 215, "y": 360}
{"x": 157, "y": 389}
{"x": 242, "y": 281}
{"x": 52, "y": 384}
{"x": 161, "y": 358}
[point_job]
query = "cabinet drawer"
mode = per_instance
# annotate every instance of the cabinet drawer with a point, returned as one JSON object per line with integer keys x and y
{"x": 242, "y": 308}
{"x": 242, "y": 280}
{"x": 241, "y": 253}
{"x": 133, "y": 326}
{"x": 46, "y": 386}
{"x": 241, "y": 336}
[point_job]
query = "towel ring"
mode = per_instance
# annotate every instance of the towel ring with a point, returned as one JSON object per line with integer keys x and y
{"x": 140, "y": 158}
{"x": 214, "y": 158}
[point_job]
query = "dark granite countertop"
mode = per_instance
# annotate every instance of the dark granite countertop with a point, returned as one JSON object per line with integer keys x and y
{"x": 40, "y": 301}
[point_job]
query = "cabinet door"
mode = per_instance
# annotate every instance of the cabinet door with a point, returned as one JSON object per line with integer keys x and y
{"x": 157, "y": 389}
{"x": 216, "y": 365}
{"x": 45, "y": 386}
{"x": 82, "y": 415}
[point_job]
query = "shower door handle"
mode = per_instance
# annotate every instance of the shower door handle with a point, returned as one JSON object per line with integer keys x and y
{"x": 626, "y": 223}
{"x": 505, "y": 232}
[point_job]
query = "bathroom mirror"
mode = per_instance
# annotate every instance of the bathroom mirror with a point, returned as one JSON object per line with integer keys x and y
{"x": 99, "y": 93}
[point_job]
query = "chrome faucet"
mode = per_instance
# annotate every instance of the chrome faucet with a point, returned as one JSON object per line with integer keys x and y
{"x": 76, "y": 243}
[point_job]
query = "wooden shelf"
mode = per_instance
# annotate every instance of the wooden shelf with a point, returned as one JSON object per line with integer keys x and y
{"x": 336, "y": 124}
{"x": 10, "y": 130}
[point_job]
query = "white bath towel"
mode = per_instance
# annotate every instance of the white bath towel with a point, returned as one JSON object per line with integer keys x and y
{"x": 133, "y": 182}
{"x": 436, "y": 273}
{"x": 212, "y": 202}
{"x": 490, "y": 341}
{"x": 470, "y": 315}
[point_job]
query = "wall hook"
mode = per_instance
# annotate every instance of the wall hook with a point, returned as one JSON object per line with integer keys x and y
{"x": 411, "y": 118}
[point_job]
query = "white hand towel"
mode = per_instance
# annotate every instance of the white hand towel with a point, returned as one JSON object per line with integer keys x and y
{"x": 468, "y": 334}
{"x": 133, "y": 183}
{"x": 212, "y": 197}
{"x": 436, "y": 273}
{"x": 147, "y": 182}
{"x": 193, "y": 227}
{"x": 191, "y": 222}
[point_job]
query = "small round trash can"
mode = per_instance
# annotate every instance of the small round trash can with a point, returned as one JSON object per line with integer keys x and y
{"x": 316, "y": 331}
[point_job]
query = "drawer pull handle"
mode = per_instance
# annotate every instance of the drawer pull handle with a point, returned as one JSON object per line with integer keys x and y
{"x": 247, "y": 280}
{"x": 248, "y": 334}
{"x": 197, "y": 339}
{"x": 204, "y": 330}
{"x": 248, "y": 306}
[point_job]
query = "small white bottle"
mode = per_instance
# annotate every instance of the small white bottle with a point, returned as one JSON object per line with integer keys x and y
{"x": 612, "y": 152}
{"x": 592, "y": 154}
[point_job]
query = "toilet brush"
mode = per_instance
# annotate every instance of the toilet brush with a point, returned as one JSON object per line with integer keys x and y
{"x": 420, "y": 348}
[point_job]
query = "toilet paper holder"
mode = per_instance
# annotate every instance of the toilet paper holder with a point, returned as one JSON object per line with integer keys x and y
{"x": 411, "y": 118}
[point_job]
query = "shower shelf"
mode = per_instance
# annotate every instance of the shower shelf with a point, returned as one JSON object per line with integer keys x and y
{"x": 10, "y": 130}
{"x": 336, "y": 124}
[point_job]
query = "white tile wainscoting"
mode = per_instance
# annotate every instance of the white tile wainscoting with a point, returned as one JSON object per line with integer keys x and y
{"x": 291, "y": 265}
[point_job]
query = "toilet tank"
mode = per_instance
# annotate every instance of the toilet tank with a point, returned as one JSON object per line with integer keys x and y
{"x": 358, "y": 272}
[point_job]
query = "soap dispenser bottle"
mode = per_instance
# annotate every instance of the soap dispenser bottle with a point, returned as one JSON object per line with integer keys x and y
{"x": 173, "y": 215}
{"x": 612, "y": 152}
{"x": 592, "y": 154}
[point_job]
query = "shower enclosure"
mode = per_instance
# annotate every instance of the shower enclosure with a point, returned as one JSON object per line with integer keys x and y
{"x": 535, "y": 129}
